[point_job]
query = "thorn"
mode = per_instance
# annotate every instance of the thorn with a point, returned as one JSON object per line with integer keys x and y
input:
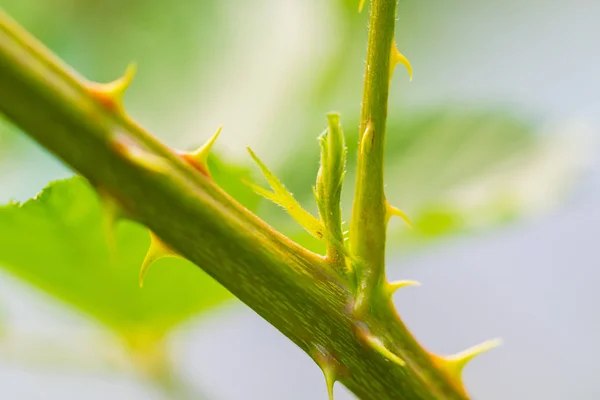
{"x": 391, "y": 287}
{"x": 329, "y": 366}
{"x": 110, "y": 95}
{"x": 361, "y": 4}
{"x": 379, "y": 347}
{"x": 330, "y": 379}
{"x": 398, "y": 58}
{"x": 393, "y": 211}
{"x": 199, "y": 158}
{"x": 157, "y": 250}
{"x": 454, "y": 365}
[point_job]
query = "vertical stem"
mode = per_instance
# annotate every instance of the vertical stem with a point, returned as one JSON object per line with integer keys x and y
{"x": 369, "y": 215}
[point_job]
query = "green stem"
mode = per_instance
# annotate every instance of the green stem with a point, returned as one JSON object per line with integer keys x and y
{"x": 369, "y": 212}
{"x": 293, "y": 289}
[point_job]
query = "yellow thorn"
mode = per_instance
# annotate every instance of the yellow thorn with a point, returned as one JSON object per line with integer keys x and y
{"x": 156, "y": 251}
{"x": 361, "y": 4}
{"x": 329, "y": 366}
{"x": 398, "y": 58}
{"x": 454, "y": 365}
{"x": 391, "y": 287}
{"x": 330, "y": 379}
{"x": 110, "y": 95}
{"x": 199, "y": 158}
{"x": 393, "y": 211}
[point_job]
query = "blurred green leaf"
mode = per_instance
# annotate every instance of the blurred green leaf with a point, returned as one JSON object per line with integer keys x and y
{"x": 7, "y": 136}
{"x": 56, "y": 241}
{"x": 451, "y": 170}
{"x": 100, "y": 38}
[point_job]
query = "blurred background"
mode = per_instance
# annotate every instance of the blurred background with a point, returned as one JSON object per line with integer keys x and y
{"x": 492, "y": 151}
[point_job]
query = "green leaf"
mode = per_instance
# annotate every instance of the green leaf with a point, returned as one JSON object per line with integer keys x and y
{"x": 7, "y": 136}
{"x": 453, "y": 170}
{"x": 58, "y": 243}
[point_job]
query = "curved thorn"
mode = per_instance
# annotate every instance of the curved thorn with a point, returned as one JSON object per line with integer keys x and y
{"x": 110, "y": 95}
{"x": 199, "y": 158}
{"x": 329, "y": 367}
{"x": 455, "y": 364}
{"x": 330, "y": 378}
{"x": 393, "y": 211}
{"x": 391, "y": 287}
{"x": 398, "y": 58}
{"x": 156, "y": 251}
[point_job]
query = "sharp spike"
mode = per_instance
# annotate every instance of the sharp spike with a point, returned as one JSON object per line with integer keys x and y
{"x": 110, "y": 95}
{"x": 156, "y": 251}
{"x": 330, "y": 378}
{"x": 393, "y": 211}
{"x": 391, "y": 287}
{"x": 361, "y": 4}
{"x": 329, "y": 366}
{"x": 454, "y": 365}
{"x": 398, "y": 58}
{"x": 199, "y": 158}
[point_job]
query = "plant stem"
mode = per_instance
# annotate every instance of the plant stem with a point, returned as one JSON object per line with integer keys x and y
{"x": 369, "y": 212}
{"x": 293, "y": 289}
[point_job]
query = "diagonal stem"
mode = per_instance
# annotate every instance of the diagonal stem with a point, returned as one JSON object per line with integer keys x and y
{"x": 293, "y": 289}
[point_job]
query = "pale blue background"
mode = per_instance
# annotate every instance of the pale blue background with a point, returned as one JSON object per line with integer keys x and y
{"x": 533, "y": 283}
